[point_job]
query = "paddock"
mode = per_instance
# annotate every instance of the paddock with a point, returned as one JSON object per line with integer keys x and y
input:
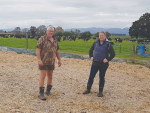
{"x": 127, "y": 88}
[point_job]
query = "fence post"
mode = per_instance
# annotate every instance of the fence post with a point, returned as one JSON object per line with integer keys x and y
{"x": 27, "y": 42}
{"x": 134, "y": 49}
{"x": 120, "y": 48}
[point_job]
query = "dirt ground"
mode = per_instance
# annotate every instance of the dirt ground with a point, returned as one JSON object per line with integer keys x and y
{"x": 127, "y": 87}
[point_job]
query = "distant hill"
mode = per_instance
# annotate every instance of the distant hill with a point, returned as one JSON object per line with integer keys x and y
{"x": 10, "y": 29}
{"x": 95, "y": 30}
{"x": 1, "y": 31}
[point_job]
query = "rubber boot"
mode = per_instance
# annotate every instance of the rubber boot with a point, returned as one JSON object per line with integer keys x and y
{"x": 41, "y": 94}
{"x": 87, "y": 90}
{"x": 100, "y": 94}
{"x": 49, "y": 87}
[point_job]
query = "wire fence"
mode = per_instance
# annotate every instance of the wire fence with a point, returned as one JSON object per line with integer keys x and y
{"x": 147, "y": 49}
{"x": 129, "y": 49}
{"x": 124, "y": 49}
{"x": 147, "y": 42}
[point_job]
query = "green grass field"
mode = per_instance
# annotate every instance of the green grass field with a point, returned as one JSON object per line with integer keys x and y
{"x": 78, "y": 46}
{"x": 19, "y": 43}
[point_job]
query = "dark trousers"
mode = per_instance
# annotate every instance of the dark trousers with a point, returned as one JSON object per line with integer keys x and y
{"x": 102, "y": 71}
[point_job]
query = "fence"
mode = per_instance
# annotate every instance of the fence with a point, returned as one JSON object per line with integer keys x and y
{"x": 125, "y": 49}
{"x": 129, "y": 49}
{"x": 147, "y": 49}
{"x": 144, "y": 42}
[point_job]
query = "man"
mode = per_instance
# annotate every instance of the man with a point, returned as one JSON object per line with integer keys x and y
{"x": 47, "y": 50}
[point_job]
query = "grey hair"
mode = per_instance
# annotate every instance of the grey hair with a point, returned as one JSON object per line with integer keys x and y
{"x": 103, "y": 32}
{"x": 50, "y": 27}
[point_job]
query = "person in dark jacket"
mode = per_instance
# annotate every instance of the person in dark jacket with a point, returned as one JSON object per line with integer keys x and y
{"x": 103, "y": 53}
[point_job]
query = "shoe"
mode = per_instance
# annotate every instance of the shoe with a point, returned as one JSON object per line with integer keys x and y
{"x": 100, "y": 94}
{"x": 86, "y": 91}
{"x": 49, "y": 87}
{"x": 41, "y": 94}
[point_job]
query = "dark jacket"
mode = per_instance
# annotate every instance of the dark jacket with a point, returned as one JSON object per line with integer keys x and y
{"x": 110, "y": 50}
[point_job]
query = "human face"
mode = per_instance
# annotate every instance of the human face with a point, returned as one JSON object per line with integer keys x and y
{"x": 50, "y": 32}
{"x": 102, "y": 37}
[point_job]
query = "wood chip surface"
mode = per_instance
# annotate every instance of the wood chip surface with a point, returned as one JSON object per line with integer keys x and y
{"x": 127, "y": 87}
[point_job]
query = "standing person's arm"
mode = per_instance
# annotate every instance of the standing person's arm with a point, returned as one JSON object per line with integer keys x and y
{"x": 39, "y": 57}
{"x": 91, "y": 52}
{"x": 38, "y": 51}
{"x": 111, "y": 52}
{"x": 58, "y": 57}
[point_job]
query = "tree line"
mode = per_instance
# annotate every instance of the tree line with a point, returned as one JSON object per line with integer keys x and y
{"x": 36, "y": 33}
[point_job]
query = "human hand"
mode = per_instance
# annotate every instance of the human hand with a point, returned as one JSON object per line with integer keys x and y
{"x": 59, "y": 63}
{"x": 105, "y": 60}
{"x": 40, "y": 63}
{"x": 92, "y": 58}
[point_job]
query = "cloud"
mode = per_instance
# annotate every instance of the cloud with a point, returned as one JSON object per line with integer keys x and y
{"x": 71, "y": 14}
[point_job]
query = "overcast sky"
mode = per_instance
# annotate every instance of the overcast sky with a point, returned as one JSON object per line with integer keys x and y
{"x": 71, "y": 13}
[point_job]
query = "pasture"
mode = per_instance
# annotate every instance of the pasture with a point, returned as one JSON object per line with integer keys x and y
{"x": 123, "y": 50}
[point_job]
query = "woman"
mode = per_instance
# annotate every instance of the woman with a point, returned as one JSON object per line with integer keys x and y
{"x": 102, "y": 48}
{"x": 47, "y": 50}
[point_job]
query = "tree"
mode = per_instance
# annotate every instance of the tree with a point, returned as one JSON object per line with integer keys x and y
{"x": 108, "y": 34}
{"x": 32, "y": 31}
{"x": 134, "y": 29}
{"x": 72, "y": 34}
{"x": 59, "y": 29}
{"x": 86, "y": 35}
{"x": 41, "y": 30}
{"x": 66, "y": 34}
{"x": 141, "y": 27}
{"x": 25, "y": 30}
{"x": 144, "y": 23}
{"x": 17, "y": 30}
{"x": 58, "y": 33}
{"x": 96, "y": 34}
{"x": 77, "y": 32}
